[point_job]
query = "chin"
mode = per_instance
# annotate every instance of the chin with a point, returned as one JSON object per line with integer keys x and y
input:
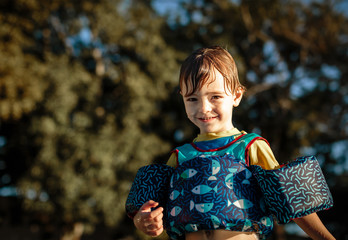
{"x": 208, "y": 131}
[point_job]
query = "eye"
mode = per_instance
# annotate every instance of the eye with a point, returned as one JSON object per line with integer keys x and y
{"x": 191, "y": 99}
{"x": 216, "y": 97}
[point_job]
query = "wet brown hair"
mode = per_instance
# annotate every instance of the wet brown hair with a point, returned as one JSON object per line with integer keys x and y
{"x": 198, "y": 70}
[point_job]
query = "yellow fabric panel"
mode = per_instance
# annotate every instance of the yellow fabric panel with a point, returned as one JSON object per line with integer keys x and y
{"x": 211, "y": 136}
{"x": 172, "y": 160}
{"x": 261, "y": 154}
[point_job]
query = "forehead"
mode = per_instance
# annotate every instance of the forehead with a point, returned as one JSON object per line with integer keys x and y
{"x": 215, "y": 83}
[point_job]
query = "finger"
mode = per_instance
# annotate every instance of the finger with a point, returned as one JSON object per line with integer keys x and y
{"x": 158, "y": 221}
{"x": 154, "y": 216}
{"x": 146, "y": 207}
{"x": 159, "y": 218}
{"x": 144, "y": 219}
{"x": 155, "y": 233}
{"x": 154, "y": 226}
{"x": 156, "y": 212}
{"x": 153, "y": 223}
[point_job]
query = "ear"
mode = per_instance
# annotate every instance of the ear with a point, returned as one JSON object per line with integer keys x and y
{"x": 237, "y": 97}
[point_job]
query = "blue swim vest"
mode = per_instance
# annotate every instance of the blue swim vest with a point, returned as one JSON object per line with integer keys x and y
{"x": 212, "y": 188}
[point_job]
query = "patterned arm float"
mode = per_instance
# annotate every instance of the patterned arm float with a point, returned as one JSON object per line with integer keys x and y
{"x": 294, "y": 190}
{"x": 150, "y": 183}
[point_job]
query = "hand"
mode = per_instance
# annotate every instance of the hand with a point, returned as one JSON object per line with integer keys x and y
{"x": 149, "y": 222}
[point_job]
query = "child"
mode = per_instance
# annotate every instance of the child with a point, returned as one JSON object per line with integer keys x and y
{"x": 229, "y": 207}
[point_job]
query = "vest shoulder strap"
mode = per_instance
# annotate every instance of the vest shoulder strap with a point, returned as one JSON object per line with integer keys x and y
{"x": 238, "y": 147}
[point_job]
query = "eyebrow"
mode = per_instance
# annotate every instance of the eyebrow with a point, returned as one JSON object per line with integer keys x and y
{"x": 212, "y": 93}
{"x": 217, "y": 92}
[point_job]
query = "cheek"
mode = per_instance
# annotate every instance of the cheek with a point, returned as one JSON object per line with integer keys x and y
{"x": 188, "y": 109}
{"x": 225, "y": 108}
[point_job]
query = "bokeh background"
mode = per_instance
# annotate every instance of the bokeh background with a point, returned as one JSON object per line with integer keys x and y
{"x": 89, "y": 93}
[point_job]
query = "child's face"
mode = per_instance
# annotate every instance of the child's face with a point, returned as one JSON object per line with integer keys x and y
{"x": 210, "y": 108}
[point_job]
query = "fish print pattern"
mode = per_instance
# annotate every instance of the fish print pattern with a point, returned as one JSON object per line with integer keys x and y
{"x": 203, "y": 189}
{"x": 295, "y": 190}
{"x": 229, "y": 177}
{"x": 175, "y": 211}
{"x": 188, "y": 173}
{"x": 243, "y": 203}
{"x": 222, "y": 202}
{"x": 175, "y": 194}
{"x": 215, "y": 166}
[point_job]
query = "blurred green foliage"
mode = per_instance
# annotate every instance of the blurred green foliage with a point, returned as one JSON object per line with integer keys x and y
{"x": 88, "y": 95}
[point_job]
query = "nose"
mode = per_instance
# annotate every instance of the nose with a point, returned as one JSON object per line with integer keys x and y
{"x": 205, "y": 106}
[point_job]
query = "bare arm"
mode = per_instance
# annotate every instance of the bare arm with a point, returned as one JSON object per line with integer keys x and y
{"x": 313, "y": 226}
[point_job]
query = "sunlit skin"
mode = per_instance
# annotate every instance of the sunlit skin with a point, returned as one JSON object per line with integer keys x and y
{"x": 210, "y": 108}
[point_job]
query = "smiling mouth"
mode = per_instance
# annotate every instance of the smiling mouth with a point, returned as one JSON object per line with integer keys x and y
{"x": 206, "y": 119}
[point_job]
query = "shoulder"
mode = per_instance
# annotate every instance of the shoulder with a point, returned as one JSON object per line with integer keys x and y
{"x": 174, "y": 156}
{"x": 260, "y": 153}
{"x": 252, "y": 140}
